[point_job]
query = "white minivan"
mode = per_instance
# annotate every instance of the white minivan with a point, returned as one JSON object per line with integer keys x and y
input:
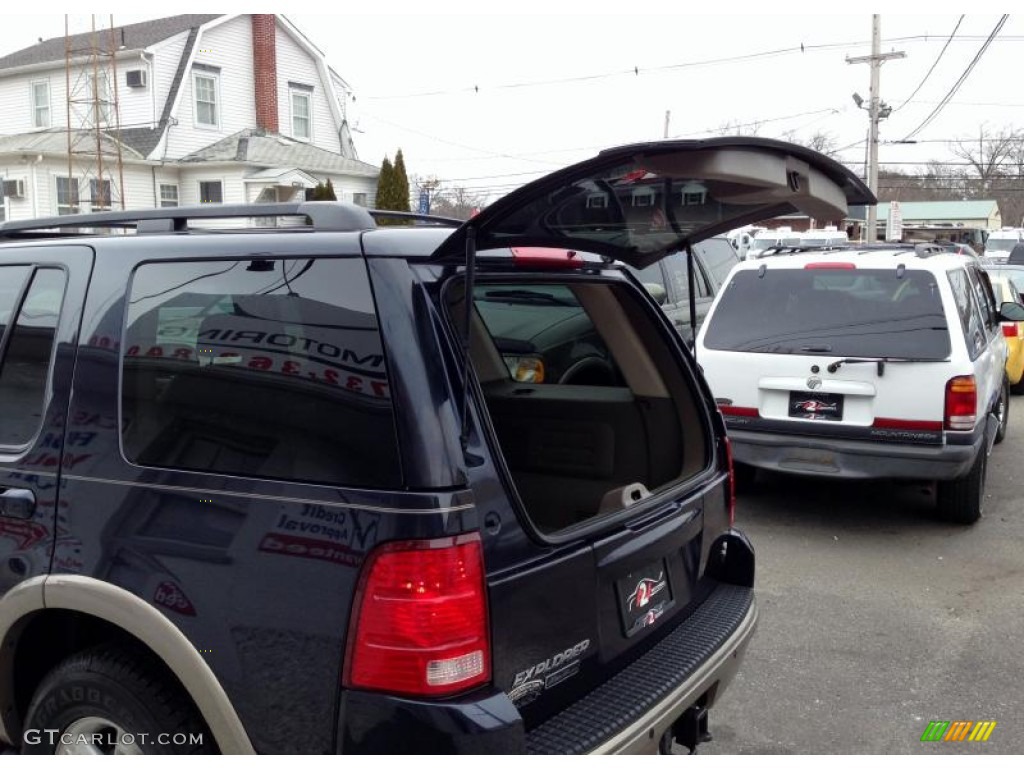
{"x": 862, "y": 364}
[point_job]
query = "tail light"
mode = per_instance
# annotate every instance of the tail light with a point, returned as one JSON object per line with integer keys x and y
{"x": 545, "y": 258}
{"x": 419, "y": 621}
{"x": 1011, "y": 330}
{"x": 731, "y": 499}
{"x": 961, "y": 403}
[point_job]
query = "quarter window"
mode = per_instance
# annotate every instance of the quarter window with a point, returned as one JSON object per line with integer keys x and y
{"x": 262, "y": 368}
{"x": 41, "y": 104}
{"x": 970, "y": 315}
{"x": 27, "y": 351}
{"x": 205, "y": 87}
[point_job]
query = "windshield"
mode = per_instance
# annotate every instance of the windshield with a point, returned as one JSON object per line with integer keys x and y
{"x": 761, "y": 243}
{"x": 843, "y": 312}
{"x": 1000, "y": 244}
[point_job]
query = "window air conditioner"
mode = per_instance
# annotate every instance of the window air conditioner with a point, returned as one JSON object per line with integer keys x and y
{"x": 136, "y": 78}
{"x": 14, "y": 187}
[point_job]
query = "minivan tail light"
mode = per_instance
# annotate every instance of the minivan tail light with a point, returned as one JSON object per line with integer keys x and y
{"x": 961, "y": 403}
{"x": 830, "y": 265}
{"x": 419, "y": 621}
{"x": 1011, "y": 330}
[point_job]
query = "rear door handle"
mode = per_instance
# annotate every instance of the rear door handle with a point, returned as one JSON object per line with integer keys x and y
{"x": 17, "y": 502}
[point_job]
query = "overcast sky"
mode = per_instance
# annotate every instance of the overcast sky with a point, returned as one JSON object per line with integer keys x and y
{"x": 487, "y": 100}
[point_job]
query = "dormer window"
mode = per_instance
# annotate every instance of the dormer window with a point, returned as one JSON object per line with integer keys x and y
{"x": 302, "y": 110}
{"x": 206, "y": 87}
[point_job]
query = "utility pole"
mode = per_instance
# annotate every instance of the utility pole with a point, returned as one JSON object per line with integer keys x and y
{"x": 876, "y": 111}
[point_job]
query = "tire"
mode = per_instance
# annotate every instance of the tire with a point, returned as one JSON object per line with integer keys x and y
{"x": 744, "y": 476}
{"x": 1002, "y": 412}
{"x": 1018, "y": 388}
{"x": 962, "y": 501}
{"x": 111, "y": 700}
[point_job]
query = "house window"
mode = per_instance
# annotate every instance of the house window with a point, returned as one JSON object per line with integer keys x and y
{"x": 168, "y": 195}
{"x": 41, "y": 104}
{"x": 99, "y": 192}
{"x": 67, "y": 195}
{"x": 359, "y": 198}
{"x": 211, "y": 192}
{"x": 205, "y": 87}
{"x": 302, "y": 106}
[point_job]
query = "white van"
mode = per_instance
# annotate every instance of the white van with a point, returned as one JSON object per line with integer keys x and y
{"x": 1000, "y": 242}
{"x": 829, "y": 237}
{"x": 767, "y": 239}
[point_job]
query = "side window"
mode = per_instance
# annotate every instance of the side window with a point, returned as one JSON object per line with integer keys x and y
{"x": 27, "y": 349}
{"x": 986, "y": 299}
{"x": 675, "y": 266}
{"x": 971, "y": 320}
{"x": 264, "y": 368}
{"x": 719, "y": 258}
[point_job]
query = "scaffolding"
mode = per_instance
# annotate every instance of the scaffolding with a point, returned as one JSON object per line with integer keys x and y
{"x": 94, "y": 121}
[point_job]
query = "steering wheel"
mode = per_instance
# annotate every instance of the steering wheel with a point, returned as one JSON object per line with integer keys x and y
{"x": 593, "y": 371}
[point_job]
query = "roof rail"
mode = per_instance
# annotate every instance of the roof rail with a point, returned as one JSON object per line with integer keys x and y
{"x": 425, "y": 218}
{"x": 325, "y": 216}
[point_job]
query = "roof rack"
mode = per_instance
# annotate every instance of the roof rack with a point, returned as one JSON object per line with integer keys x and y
{"x": 324, "y": 216}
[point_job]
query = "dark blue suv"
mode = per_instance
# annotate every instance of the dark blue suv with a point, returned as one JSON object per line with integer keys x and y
{"x": 332, "y": 486}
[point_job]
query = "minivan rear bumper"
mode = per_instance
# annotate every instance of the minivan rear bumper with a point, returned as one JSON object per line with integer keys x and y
{"x": 855, "y": 459}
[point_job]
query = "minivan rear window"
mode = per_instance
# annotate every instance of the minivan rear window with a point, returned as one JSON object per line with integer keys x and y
{"x": 834, "y": 311}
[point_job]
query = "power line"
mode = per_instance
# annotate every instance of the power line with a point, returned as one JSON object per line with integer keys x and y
{"x": 937, "y": 60}
{"x": 956, "y": 86}
{"x": 636, "y": 71}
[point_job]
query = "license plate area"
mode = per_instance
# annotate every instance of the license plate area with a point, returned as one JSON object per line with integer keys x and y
{"x": 644, "y": 595}
{"x": 816, "y": 406}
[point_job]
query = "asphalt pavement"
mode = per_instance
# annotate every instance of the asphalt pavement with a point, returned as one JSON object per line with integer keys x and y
{"x": 877, "y": 618}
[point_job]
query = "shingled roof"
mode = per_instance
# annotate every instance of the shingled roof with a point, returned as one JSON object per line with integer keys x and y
{"x": 258, "y": 147}
{"x": 131, "y": 36}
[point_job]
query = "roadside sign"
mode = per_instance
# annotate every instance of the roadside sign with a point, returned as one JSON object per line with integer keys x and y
{"x": 894, "y": 223}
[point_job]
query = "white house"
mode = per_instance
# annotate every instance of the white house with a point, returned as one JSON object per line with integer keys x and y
{"x": 210, "y": 108}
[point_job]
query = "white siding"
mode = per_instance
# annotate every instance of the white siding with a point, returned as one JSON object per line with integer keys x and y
{"x": 229, "y": 176}
{"x": 294, "y": 64}
{"x": 166, "y": 57}
{"x": 229, "y": 47}
{"x": 346, "y": 186}
{"x": 136, "y": 104}
{"x": 16, "y": 101}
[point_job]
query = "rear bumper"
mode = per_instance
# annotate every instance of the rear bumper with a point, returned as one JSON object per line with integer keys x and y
{"x": 855, "y": 459}
{"x": 704, "y": 686}
{"x": 631, "y": 711}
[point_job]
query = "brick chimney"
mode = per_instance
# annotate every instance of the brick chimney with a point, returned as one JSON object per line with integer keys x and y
{"x": 264, "y": 63}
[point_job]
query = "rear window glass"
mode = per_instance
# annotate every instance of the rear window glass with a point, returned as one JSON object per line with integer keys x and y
{"x": 844, "y": 312}
{"x": 263, "y": 368}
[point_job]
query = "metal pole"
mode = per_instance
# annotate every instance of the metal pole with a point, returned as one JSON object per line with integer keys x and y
{"x": 668, "y": 117}
{"x": 876, "y": 63}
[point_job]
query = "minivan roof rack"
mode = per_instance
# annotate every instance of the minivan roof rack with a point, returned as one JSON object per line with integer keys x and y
{"x": 325, "y": 216}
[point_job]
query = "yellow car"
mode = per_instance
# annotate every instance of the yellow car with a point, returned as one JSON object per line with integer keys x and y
{"x": 1006, "y": 290}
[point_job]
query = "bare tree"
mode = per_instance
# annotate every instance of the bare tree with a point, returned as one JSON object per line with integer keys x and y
{"x": 819, "y": 141}
{"x": 457, "y": 202}
{"x": 987, "y": 156}
{"x": 736, "y": 128}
